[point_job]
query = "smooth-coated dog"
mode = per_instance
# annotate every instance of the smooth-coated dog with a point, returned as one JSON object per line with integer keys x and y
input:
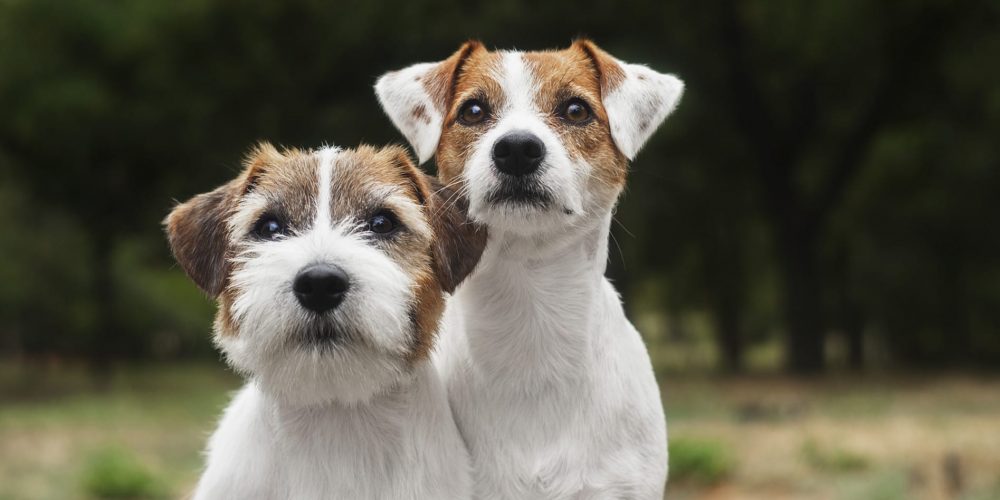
{"x": 330, "y": 268}
{"x": 551, "y": 385}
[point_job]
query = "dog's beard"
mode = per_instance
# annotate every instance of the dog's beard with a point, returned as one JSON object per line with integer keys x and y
{"x": 322, "y": 333}
{"x": 318, "y": 360}
{"x": 521, "y": 191}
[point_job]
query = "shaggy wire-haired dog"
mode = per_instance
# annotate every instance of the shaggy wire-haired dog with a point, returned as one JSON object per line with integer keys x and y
{"x": 331, "y": 269}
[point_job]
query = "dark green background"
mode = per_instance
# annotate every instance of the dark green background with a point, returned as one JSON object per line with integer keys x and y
{"x": 829, "y": 184}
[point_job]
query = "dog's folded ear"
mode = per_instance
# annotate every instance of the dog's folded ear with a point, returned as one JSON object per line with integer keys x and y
{"x": 416, "y": 98}
{"x": 637, "y": 99}
{"x": 458, "y": 241}
{"x": 196, "y": 230}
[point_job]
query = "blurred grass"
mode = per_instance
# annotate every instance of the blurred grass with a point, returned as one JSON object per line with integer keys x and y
{"x": 115, "y": 473}
{"x": 140, "y": 434}
{"x": 841, "y": 437}
{"x": 61, "y": 432}
{"x": 699, "y": 460}
{"x": 832, "y": 459}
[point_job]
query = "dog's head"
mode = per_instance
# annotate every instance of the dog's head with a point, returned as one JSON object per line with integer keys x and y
{"x": 537, "y": 140}
{"x": 330, "y": 267}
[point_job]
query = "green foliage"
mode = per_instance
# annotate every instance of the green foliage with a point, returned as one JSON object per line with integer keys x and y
{"x": 114, "y": 473}
{"x": 833, "y": 459}
{"x": 853, "y": 178}
{"x": 702, "y": 461}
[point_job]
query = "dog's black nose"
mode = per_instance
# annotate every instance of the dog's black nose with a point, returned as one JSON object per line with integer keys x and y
{"x": 518, "y": 153}
{"x": 320, "y": 287}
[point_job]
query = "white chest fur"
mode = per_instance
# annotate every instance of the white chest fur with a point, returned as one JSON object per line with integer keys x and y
{"x": 398, "y": 446}
{"x": 551, "y": 386}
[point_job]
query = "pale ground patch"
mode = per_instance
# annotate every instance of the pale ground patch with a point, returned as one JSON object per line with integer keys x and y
{"x": 912, "y": 436}
{"x": 907, "y": 438}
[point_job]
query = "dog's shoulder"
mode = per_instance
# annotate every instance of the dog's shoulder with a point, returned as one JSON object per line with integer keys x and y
{"x": 239, "y": 452}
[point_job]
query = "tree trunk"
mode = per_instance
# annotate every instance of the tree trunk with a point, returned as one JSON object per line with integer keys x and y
{"x": 104, "y": 342}
{"x": 805, "y": 342}
{"x": 729, "y": 335}
{"x": 726, "y": 289}
{"x": 847, "y": 312}
{"x": 854, "y": 330}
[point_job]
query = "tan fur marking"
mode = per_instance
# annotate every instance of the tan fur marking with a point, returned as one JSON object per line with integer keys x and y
{"x": 440, "y": 81}
{"x": 475, "y": 81}
{"x": 426, "y": 314}
{"x": 582, "y": 71}
{"x": 437, "y": 249}
{"x": 611, "y": 74}
{"x": 225, "y": 323}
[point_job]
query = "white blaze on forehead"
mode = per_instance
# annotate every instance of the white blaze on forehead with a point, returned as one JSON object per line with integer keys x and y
{"x": 518, "y": 83}
{"x": 325, "y": 165}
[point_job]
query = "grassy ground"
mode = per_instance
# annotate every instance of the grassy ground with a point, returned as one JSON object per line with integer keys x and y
{"x": 749, "y": 438}
{"x": 62, "y": 437}
{"x": 848, "y": 438}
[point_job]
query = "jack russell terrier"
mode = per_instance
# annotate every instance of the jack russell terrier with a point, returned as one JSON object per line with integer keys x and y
{"x": 330, "y": 268}
{"x": 551, "y": 385}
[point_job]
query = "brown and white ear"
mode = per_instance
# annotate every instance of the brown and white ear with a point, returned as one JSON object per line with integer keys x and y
{"x": 458, "y": 241}
{"x": 636, "y": 98}
{"x": 416, "y": 98}
{"x": 196, "y": 230}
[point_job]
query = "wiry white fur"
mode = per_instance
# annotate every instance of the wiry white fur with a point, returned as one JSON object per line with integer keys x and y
{"x": 550, "y": 384}
{"x": 347, "y": 420}
{"x": 400, "y": 445}
{"x": 269, "y": 314}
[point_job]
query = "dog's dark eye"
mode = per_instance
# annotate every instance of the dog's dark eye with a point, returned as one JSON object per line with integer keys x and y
{"x": 472, "y": 112}
{"x": 383, "y": 223}
{"x": 576, "y": 111}
{"x": 269, "y": 227}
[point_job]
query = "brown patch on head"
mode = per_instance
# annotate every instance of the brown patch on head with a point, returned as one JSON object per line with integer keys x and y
{"x": 609, "y": 71}
{"x": 287, "y": 180}
{"x": 256, "y": 163}
{"x": 367, "y": 180}
{"x": 476, "y": 80}
{"x": 573, "y": 73}
{"x": 440, "y": 82}
{"x": 582, "y": 71}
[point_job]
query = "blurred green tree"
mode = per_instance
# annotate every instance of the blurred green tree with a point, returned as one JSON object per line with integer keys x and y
{"x": 832, "y": 168}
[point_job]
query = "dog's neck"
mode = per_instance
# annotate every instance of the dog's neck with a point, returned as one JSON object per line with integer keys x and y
{"x": 387, "y": 405}
{"x": 530, "y": 306}
{"x": 356, "y": 450}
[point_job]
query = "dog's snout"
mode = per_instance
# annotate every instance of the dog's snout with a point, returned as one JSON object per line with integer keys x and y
{"x": 320, "y": 287}
{"x": 518, "y": 153}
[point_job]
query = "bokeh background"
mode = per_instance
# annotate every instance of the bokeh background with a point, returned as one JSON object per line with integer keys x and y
{"x": 809, "y": 245}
